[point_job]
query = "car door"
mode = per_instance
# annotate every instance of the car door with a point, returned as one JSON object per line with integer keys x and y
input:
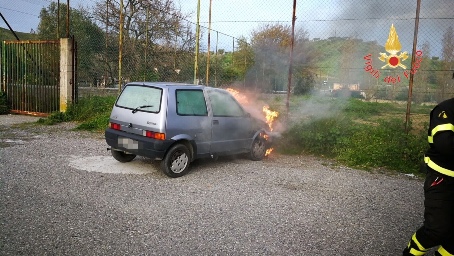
{"x": 230, "y": 125}
{"x": 188, "y": 116}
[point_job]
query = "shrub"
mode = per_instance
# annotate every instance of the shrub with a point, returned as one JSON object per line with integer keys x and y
{"x": 317, "y": 136}
{"x": 54, "y": 118}
{"x": 92, "y": 113}
{"x": 356, "y": 142}
{"x": 4, "y": 106}
{"x": 383, "y": 145}
{"x": 89, "y": 107}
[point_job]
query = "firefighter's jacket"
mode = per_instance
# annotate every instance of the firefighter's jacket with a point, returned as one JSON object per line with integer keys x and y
{"x": 441, "y": 138}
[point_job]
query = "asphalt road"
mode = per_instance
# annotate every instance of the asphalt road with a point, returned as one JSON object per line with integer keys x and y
{"x": 61, "y": 193}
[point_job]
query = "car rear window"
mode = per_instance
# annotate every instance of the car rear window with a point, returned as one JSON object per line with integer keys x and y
{"x": 191, "y": 103}
{"x": 140, "y": 98}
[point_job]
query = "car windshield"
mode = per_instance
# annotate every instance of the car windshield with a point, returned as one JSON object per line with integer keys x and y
{"x": 140, "y": 98}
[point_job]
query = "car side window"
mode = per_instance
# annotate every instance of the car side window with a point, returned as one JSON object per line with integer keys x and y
{"x": 223, "y": 104}
{"x": 191, "y": 103}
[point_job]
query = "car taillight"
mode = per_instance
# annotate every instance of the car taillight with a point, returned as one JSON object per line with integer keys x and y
{"x": 154, "y": 135}
{"x": 115, "y": 126}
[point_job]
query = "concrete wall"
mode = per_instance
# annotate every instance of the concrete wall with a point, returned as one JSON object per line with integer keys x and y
{"x": 66, "y": 73}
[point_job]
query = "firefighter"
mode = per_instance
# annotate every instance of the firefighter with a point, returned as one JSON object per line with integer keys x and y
{"x": 438, "y": 227}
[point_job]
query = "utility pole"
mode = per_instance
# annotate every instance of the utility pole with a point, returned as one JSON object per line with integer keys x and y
{"x": 58, "y": 19}
{"x": 413, "y": 57}
{"x": 120, "y": 46}
{"x": 197, "y": 33}
{"x": 290, "y": 66}
{"x": 209, "y": 41}
{"x": 67, "y": 18}
{"x": 106, "y": 74}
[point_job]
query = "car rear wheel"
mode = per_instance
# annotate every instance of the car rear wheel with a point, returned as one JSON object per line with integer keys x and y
{"x": 258, "y": 149}
{"x": 121, "y": 156}
{"x": 176, "y": 162}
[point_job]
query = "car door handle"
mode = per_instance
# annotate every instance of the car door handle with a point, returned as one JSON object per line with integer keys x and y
{"x": 216, "y": 122}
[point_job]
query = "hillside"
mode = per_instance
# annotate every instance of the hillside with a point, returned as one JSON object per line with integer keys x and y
{"x": 6, "y": 34}
{"x": 343, "y": 59}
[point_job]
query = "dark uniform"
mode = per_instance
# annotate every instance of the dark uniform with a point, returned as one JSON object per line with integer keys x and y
{"x": 438, "y": 228}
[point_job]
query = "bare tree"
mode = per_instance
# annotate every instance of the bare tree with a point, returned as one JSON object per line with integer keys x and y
{"x": 448, "y": 45}
{"x": 154, "y": 32}
{"x": 447, "y": 60}
{"x": 421, "y": 89}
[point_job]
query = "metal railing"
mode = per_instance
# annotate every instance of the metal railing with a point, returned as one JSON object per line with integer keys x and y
{"x": 30, "y": 75}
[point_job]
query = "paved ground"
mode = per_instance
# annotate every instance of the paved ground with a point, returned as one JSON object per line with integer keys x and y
{"x": 62, "y": 194}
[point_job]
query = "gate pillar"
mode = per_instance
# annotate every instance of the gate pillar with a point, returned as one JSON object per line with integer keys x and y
{"x": 66, "y": 73}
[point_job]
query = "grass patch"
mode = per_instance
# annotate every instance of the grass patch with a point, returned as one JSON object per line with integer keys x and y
{"x": 54, "y": 118}
{"x": 385, "y": 145}
{"x": 92, "y": 113}
{"x": 363, "y": 135}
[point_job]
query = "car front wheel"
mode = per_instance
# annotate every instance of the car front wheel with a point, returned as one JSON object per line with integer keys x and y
{"x": 258, "y": 149}
{"x": 176, "y": 162}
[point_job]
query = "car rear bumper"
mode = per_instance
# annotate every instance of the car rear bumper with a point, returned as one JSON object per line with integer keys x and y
{"x": 136, "y": 144}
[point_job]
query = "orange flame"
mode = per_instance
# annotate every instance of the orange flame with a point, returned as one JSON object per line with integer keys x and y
{"x": 239, "y": 97}
{"x": 268, "y": 151}
{"x": 270, "y": 116}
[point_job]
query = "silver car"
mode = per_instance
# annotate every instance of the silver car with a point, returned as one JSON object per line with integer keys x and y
{"x": 178, "y": 123}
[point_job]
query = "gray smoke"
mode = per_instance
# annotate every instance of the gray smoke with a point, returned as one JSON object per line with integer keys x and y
{"x": 370, "y": 20}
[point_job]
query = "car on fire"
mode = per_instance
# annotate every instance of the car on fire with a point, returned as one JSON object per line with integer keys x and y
{"x": 177, "y": 123}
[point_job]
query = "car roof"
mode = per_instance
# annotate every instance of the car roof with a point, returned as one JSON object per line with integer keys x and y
{"x": 166, "y": 84}
{"x": 175, "y": 85}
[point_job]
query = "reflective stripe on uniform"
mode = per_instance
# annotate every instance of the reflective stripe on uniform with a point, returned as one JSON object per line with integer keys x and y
{"x": 438, "y": 168}
{"x": 439, "y": 128}
{"x": 415, "y": 247}
{"x": 443, "y": 252}
{"x": 420, "y": 247}
{"x": 415, "y": 252}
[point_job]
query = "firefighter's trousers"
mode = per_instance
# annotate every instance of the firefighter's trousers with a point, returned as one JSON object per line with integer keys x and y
{"x": 438, "y": 228}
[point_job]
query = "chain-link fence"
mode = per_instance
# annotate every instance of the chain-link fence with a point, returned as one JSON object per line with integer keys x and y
{"x": 354, "y": 47}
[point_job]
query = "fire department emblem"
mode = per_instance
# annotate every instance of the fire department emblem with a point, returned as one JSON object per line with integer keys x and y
{"x": 393, "y": 47}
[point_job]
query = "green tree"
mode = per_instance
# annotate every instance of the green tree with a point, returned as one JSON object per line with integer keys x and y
{"x": 89, "y": 37}
{"x": 243, "y": 58}
{"x": 271, "y": 44}
{"x": 223, "y": 69}
{"x": 304, "y": 83}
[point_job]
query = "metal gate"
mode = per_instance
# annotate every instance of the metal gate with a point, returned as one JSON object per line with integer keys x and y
{"x": 30, "y": 75}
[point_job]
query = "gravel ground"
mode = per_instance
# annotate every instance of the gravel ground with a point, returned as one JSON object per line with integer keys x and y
{"x": 61, "y": 194}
